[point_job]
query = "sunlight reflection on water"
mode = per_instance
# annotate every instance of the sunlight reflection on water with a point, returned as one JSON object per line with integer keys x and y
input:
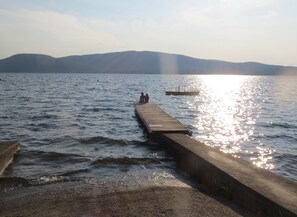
{"x": 228, "y": 114}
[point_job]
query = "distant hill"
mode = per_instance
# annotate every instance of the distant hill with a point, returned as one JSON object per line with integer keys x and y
{"x": 137, "y": 62}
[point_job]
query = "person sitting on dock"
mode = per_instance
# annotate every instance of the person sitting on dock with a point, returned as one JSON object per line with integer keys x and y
{"x": 146, "y": 98}
{"x": 142, "y": 98}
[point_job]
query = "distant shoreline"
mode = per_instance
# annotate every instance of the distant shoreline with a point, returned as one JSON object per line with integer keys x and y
{"x": 136, "y": 62}
{"x": 92, "y": 73}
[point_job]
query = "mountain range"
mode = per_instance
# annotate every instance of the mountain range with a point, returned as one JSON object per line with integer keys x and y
{"x": 136, "y": 62}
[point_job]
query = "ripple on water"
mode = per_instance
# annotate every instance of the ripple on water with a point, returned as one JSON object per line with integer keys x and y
{"x": 66, "y": 122}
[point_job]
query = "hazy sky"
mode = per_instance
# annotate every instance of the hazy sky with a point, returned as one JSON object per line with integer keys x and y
{"x": 233, "y": 30}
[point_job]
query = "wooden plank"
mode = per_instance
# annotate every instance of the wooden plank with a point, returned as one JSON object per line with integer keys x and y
{"x": 7, "y": 151}
{"x": 158, "y": 121}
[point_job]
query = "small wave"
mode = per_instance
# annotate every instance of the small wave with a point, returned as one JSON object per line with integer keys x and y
{"x": 91, "y": 109}
{"x": 104, "y": 109}
{"x": 286, "y": 165}
{"x": 286, "y": 156}
{"x": 4, "y": 117}
{"x": 279, "y": 125}
{"x": 13, "y": 181}
{"x": 284, "y": 125}
{"x": 282, "y": 136}
{"x": 56, "y": 156}
{"x": 41, "y": 125}
{"x": 98, "y": 139}
{"x": 24, "y": 98}
{"x": 127, "y": 161}
{"x": 66, "y": 139}
{"x": 74, "y": 125}
{"x": 50, "y": 179}
{"x": 73, "y": 172}
{"x": 277, "y": 136}
{"x": 43, "y": 117}
{"x": 104, "y": 140}
{"x": 91, "y": 89}
{"x": 119, "y": 142}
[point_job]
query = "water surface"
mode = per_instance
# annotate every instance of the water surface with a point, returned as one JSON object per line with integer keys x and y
{"x": 84, "y": 125}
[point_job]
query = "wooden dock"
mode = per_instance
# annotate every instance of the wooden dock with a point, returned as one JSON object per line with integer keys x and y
{"x": 7, "y": 151}
{"x": 158, "y": 121}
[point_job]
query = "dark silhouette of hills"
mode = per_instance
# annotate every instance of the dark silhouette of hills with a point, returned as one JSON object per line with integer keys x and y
{"x": 140, "y": 62}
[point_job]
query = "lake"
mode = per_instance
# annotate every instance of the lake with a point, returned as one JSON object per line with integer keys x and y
{"x": 84, "y": 125}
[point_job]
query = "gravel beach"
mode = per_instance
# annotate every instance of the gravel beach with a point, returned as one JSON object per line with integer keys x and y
{"x": 155, "y": 195}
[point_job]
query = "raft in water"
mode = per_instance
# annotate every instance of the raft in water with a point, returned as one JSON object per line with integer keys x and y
{"x": 182, "y": 92}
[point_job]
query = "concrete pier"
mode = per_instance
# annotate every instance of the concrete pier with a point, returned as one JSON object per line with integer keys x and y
{"x": 256, "y": 189}
{"x": 7, "y": 151}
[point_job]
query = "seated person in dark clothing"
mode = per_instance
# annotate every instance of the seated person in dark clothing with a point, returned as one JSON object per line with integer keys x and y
{"x": 142, "y": 98}
{"x": 146, "y": 98}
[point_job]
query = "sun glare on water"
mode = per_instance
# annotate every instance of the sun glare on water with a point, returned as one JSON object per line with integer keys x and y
{"x": 227, "y": 114}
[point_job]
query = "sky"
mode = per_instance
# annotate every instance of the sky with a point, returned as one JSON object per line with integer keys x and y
{"x": 233, "y": 30}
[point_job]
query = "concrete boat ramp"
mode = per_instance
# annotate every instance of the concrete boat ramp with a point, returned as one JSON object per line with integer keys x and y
{"x": 7, "y": 151}
{"x": 256, "y": 189}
